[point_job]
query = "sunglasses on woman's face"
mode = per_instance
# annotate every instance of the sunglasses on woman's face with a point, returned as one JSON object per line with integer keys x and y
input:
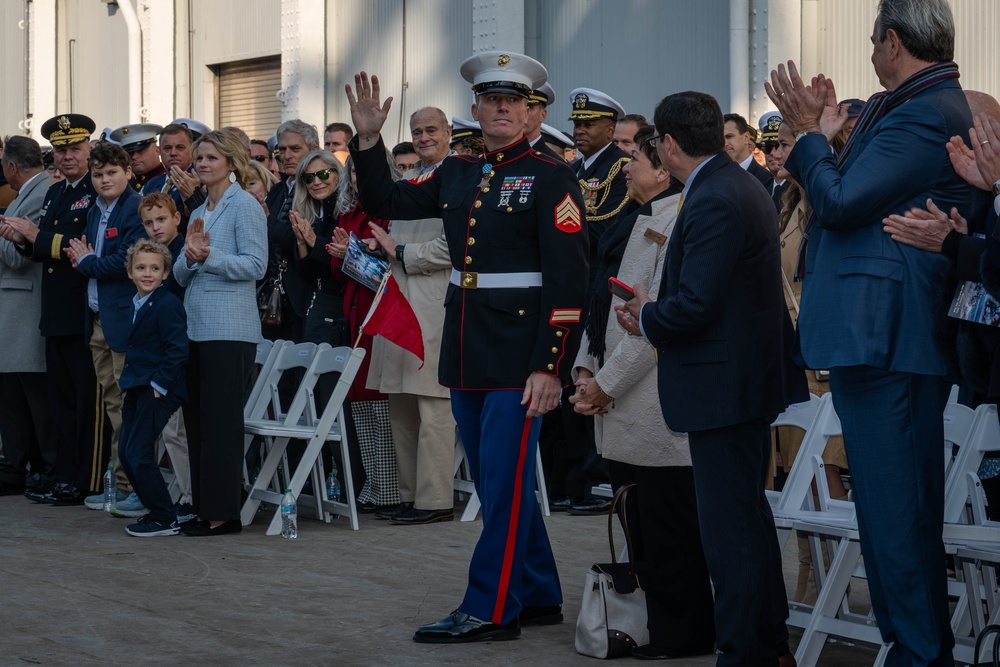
{"x": 322, "y": 174}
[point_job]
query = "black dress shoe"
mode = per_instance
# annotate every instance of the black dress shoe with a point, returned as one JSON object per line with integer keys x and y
{"x": 458, "y": 628}
{"x": 417, "y": 517}
{"x": 401, "y": 508}
{"x": 201, "y": 528}
{"x": 655, "y": 652}
{"x": 36, "y": 481}
{"x": 371, "y": 508}
{"x": 591, "y": 507}
{"x": 65, "y": 495}
{"x": 542, "y": 615}
{"x": 561, "y": 504}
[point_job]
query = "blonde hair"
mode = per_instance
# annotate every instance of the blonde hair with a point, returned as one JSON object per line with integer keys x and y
{"x": 231, "y": 148}
{"x": 150, "y": 246}
{"x": 257, "y": 171}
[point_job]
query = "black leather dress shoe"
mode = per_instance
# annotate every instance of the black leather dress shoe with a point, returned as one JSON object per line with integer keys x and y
{"x": 65, "y": 495}
{"x": 458, "y": 628}
{"x": 371, "y": 508}
{"x": 392, "y": 513}
{"x": 561, "y": 504}
{"x": 417, "y": 517}
{"x": 655, "y": 652}
{"x": 201, "y": 528}
{"x": 591, "y": 507}
{"x": 543, "y": 615}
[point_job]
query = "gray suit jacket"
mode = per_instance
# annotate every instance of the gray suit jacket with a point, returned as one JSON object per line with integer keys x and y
{"x": 221, "y": 299}
{"x": 21, "y": 289}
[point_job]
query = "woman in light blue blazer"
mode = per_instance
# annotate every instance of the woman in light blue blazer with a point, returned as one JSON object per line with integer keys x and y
{"x": 225, "y": 253}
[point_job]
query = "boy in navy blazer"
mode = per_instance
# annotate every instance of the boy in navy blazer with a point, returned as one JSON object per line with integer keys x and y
{"x": 153, "y": 382}
{"x": 112, "y": 226}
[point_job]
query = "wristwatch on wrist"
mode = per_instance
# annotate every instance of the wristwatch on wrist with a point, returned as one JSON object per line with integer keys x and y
{"x": 996, "y": 189}
{"x": 399, "y": 253}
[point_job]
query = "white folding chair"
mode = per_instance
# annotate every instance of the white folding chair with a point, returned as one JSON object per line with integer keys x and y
{"x": 303, "y": 421}
{"x": 464, "y": 483}
{"x": 829, "y": 615}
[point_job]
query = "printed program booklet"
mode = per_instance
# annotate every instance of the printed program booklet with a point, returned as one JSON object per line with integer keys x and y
{"x": 974, "y": 304}
{"x": 366, "y": 269}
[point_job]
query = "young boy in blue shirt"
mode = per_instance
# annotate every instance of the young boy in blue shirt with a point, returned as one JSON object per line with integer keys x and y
{"x": 153, "y": 382}
{"x": 112, "y": 226}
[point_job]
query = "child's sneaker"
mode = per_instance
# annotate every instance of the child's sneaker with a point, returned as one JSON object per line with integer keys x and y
{"x": 130, "y": 507}
{"x": 96, "y": 501}
{"x": 149, "y": 528}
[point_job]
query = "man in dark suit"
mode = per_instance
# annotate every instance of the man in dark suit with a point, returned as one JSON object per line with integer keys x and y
{"x": 739, "y": 137}
{"x": 72, "y": 385}
{"x": 871, "y": 307}
{"x": 723, "y": 340}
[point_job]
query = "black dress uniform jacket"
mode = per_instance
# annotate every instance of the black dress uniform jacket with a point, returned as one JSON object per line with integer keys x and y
{"x": 64, "y": 289}
{"x": 529, "y": 217}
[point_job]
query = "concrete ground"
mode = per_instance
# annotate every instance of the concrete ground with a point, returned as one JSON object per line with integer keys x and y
{"x": 76, "y": 590}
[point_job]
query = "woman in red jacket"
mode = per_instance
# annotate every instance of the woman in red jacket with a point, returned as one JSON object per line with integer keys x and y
{"x": 369, "y": 408}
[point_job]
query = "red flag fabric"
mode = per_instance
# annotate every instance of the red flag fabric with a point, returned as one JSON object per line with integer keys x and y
{"x": 392, "y": 317}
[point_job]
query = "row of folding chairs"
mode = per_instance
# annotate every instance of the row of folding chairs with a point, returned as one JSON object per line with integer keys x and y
{"x": 272, "y": 425}
{"x": 832, "y": 527}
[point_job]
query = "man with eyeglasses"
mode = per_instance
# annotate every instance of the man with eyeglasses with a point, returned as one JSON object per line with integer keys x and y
{"x": 769, "y": 124}
{"x": 260, "y": 153}
{"x": 296, "y": 138}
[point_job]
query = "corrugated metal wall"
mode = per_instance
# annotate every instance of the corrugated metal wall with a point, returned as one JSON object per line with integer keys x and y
{"x": 13, "y": 73}
{"x": 843, "y": 49}
{"x": 636, "y": 51}
{"x": 369, "y": 36}
{"x": 92, "y": 66}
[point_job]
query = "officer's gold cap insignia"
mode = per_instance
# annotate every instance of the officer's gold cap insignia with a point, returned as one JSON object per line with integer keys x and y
{"x": 503, "y": 59}
{"x": 64, "y": 123}
{"x": 580, "y": 101}
{"x": 774, "y": 123}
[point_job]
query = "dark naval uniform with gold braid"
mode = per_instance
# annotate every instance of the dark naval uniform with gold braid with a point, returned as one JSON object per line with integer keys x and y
{"x": 519, "y": 247}
{"x": 73, "y": 391}
{"x": 604, "y": 191}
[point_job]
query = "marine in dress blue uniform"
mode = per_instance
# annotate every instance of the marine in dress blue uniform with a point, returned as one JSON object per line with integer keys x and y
{"x": 517, "y": 237}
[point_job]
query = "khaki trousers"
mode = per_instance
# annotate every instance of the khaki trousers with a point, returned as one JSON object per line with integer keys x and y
{"x": 108, "y": 368}
{"x": 423, "y": 432}
{"x": 176, "y": 443}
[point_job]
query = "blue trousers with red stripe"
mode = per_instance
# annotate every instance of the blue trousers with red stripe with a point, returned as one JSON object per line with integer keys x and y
{"x": 512, "y": 565}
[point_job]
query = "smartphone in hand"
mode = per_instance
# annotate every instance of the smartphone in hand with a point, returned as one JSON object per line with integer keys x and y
{"x": 620, "y": 289}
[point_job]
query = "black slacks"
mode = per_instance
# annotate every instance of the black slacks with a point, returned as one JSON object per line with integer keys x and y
{"x": 217, "y": 375}
{"x": 26, "y": 427}
{"x": 663, "y": 524}
{"x": 78, "y": 415}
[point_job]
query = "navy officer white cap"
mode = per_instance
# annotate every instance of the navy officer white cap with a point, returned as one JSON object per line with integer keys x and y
{"x": 590, "y": 104}
{"x": 197, "y": 128}
{"x": 463, "y": 129}
{"x": 136, "y": 137}
{"x": 769, "y": 124}
{"x": 554, "y": 136}
{"x": 503, "y": 72}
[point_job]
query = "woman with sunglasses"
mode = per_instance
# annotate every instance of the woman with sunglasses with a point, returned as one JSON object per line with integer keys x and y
{"x": 369, "y": 408}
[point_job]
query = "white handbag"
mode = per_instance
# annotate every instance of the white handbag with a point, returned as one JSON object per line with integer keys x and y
{"x": 612, "y": 618}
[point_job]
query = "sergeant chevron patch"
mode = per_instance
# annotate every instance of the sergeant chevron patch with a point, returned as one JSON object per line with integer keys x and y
{"x": 568, "y": 216}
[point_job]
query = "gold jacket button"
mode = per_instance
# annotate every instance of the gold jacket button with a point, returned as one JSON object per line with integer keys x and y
{"x": 468, "y": 260}
{"x": 551, "y": 367}
{"x": 509, "y": 209}
{"x": 559, "y": 334}
{"x": 486, "y": 189}
{"x": 75, "y": 219}
{"x": 445, "y": 206}
{"x": 492, "y": 173}
{"x": 478, "y": 203}
{"x": 499, "y": 157}
{"x": 555, "y": 350}
{"x": 50, "y": 270}
{"x": 472, "y": 222}
{"x": 520, "y": 312}
{"x": 472, "y": 241}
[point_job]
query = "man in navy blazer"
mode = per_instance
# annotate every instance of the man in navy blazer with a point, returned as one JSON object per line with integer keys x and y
{"x": 723, "y": 340}
{"x": 872, "y": 307}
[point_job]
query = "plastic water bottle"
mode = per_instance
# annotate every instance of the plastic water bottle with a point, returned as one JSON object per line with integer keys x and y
{"x": 110, "y": 490}
{"x": 289, "y": 516}
{"x": 332, "y": 485}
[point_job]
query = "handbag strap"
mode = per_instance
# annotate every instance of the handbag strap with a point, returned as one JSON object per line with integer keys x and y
{"x": 619, "y": 501}
{"x": 986, "y": 632}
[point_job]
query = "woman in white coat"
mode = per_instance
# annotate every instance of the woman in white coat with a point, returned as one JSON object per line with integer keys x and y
{"x": 616, "y": 381}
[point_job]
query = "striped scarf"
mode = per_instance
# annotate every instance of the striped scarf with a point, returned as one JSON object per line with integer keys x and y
{"x": 877, "y": 107}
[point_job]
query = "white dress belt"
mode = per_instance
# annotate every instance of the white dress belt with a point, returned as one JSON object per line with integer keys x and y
{"x": 495, "y": 280}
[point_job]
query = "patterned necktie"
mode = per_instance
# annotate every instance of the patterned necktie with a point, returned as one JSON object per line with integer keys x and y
{"x": 680, "y": 202}
{"x": 286, "y": 206}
